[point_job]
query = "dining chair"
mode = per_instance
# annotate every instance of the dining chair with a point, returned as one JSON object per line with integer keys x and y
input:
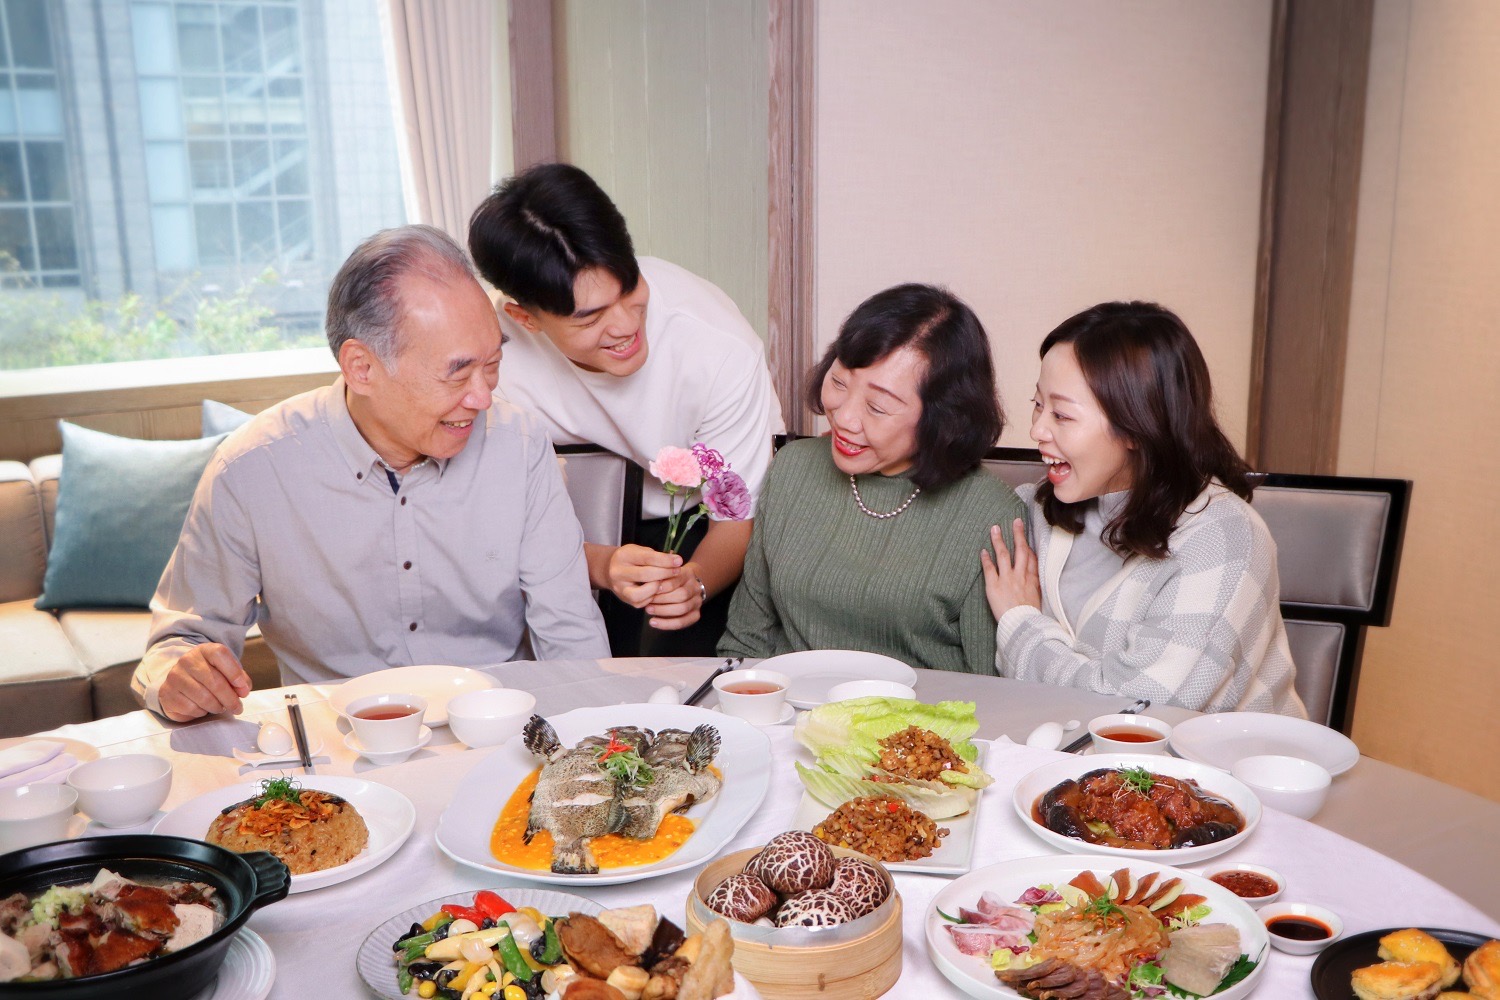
{"x": 606, "y": 492}
{"x": 1338, "y": 543}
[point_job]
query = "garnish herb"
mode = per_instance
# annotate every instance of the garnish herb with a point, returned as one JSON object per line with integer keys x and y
{"x": 1101, "y": 907}
{"x": 1238, "y": 971}
{"x": 623, "y": 762}
{"x": 951, "y": 920}
{"x": 1137, "y": 778}
{"x": 272, "y": 789}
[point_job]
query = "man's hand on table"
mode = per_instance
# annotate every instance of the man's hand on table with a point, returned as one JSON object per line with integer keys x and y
{"x": 206, "y": 680}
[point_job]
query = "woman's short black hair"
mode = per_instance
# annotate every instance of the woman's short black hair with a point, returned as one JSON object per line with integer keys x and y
{"x": 1146, "y": 371}
{"x": 540, "y": 228}
{"x": 961, "y": 416}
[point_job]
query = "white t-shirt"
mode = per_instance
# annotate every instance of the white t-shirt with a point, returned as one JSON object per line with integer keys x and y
{"x": 704, "y": 380}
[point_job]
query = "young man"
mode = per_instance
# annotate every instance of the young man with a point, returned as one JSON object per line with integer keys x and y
{"x": 398, "y": 516}
{"x": 633, "y": 355}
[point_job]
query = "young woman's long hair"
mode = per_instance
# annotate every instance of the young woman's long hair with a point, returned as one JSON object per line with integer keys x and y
{"x": 1150, "y": 378}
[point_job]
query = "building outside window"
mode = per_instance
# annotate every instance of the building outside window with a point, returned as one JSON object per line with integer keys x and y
{"x": 184, "y": 178}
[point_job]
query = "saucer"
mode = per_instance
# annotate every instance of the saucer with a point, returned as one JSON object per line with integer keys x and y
{"x": 787, "y": 711}
{"x": 388, "y": 756}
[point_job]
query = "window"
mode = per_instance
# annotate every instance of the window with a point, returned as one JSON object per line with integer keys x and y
{"x": 183, "y": 177}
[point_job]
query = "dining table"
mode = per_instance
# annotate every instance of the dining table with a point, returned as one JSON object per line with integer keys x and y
{"x": 1390, "y": 848}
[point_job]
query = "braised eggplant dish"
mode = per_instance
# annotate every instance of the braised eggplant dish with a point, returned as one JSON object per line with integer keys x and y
{"x": 1137, "y": 809}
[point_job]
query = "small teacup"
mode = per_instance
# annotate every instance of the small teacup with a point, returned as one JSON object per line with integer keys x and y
{"x": 387, "y": 722}
{"x": 1129, "y": 734}
{"x": 757, "y": 696}
{"x": 35, "y": 814}
{"x": 122, "y": 791}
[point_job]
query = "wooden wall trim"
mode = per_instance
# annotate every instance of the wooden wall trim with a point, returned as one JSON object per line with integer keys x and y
{"x": 1315, "y": 131}
{"x": 791, "y": 245}
{"x": 533, "y": 103}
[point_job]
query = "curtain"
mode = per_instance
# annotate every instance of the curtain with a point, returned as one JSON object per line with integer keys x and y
{"x": 439, "y": 55}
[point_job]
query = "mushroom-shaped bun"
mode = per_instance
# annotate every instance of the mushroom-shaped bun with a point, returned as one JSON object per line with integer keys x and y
{"x": 741, "y": 897}
{"x": 859, "y": 883}
{"x": 815, "y": 908}
{"x": 795, "y": 862}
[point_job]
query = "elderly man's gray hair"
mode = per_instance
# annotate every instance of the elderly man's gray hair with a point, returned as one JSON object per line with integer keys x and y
{"x": 363, "y": 301}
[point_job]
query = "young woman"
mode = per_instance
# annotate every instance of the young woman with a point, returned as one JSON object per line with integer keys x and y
{"x": 1151, "y": 575}
{"x": 865, "y": 539}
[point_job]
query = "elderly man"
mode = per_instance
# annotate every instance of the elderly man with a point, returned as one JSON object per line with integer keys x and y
{"x": 397, "y": 516}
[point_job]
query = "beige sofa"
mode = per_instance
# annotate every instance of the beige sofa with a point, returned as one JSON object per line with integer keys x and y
{"x": 73, "y": 666}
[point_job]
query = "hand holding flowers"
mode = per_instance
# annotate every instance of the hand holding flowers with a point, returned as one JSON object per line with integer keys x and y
{"x": 702, "y": 470}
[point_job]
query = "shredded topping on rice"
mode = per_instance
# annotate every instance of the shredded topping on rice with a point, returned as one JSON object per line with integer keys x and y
{"x": 271, "y": 818}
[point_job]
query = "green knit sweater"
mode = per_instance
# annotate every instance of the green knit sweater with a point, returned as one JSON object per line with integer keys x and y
{"x": 822, "y": 575}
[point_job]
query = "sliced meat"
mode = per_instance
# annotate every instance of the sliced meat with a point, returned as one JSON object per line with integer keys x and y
{"x": 1057, "y": 980}
{"x": 119, "y": 948}
{"x": 591, "y": 947}
{"x": 981, "y": 939}
{"x": 1142, "y": 888}
{"x": 147, "y": 910}
{"x": 13, "y": 909}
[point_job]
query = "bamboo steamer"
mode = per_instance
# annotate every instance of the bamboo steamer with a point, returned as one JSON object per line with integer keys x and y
{"x": 858, "y": 960}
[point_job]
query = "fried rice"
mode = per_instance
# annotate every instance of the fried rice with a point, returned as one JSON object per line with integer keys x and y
{"x": 317, "y": 832}
{"x": 882, "y": 827}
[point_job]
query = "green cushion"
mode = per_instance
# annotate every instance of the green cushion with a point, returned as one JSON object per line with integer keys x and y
{"x": 221, "y": 418}
{"x": 120, "y": 507}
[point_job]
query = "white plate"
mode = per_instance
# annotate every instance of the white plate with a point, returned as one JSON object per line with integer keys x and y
{"x": 744, "y": 759}
{"x": 376, "y": 962}
{"x": 1215, "y": 782}
{"x": 387, "y": 813}
{"x": 1220, "y": 740}
{"x": 82, "y": 752}
{"x": 438, "y": 684}
{"x": 972, "y": 973}
{"x": 814, "y": 671}
{"x": 955, "y": 854}
{"x": 248, "y": 971}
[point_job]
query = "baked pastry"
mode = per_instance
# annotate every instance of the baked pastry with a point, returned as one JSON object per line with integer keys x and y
{"x": 1482, "y": 970}
{"x": 1412, "y": 945}
{"x": 1398, "y": 981}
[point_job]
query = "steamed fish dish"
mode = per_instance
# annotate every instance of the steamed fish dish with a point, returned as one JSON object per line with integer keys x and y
{"x": 100, "y": 926}
{"x": 625, "y": 781}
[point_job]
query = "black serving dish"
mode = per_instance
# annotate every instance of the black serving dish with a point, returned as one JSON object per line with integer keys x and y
{"x": 245, "y": 882}
{"x": 1337, "y": 962}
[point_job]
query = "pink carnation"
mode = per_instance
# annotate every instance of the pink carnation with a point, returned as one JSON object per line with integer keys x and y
{"x": 678, "y": 467}
{"x": 710, "y": 461}
{"x": 727, "y": 497}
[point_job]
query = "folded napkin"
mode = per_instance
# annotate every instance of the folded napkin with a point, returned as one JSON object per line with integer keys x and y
{"x": 51, "y": 772}
{"x": 27, "y": 755}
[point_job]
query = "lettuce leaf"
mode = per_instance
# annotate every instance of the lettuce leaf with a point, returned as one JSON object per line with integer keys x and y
{"x": 844, "y": 734}
{"x": 934, "y": 799}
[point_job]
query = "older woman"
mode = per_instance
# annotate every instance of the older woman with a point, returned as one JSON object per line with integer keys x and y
{"x": 1152, "y": 576}
{"x": 865, "y": 539}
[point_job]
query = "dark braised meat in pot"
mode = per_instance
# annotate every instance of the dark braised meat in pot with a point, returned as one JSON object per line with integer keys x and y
{"x": 1135, "y": 809}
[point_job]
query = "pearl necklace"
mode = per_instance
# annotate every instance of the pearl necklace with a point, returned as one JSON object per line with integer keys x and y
{"x": 859, "y": 502}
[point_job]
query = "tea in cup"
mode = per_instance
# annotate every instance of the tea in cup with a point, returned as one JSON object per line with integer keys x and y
{"x": 757, "y": 696}
{"x": 1129, "y": 734}
{"x": 386, "y": 722}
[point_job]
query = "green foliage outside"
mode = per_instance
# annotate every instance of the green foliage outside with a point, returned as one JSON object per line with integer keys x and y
{"x": 41, "y": 328}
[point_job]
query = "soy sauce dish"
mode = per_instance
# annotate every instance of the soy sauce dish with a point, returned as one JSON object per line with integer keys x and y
{"x": 242, "y": 882}
{"x": 1301, "y": 928}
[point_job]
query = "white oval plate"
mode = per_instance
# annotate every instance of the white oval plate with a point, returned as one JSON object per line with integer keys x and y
{"x": 814, "y": 671}
{"x": 463, "y": 831}
{"x": 1033, "y": 785}
{"x": 438, "y": 684}
{"x": 1222, "y": 739}
{"x": 972, "y": 973}
{"x": 248, "y": 971}
{"x": 389, "y": 816}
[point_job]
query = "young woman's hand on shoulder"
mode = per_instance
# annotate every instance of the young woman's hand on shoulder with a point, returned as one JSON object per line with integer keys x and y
{"x": 1010, "y": 577}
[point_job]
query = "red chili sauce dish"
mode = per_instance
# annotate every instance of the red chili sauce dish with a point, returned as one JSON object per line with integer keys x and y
{"x": 1246, "y": 885}
{"x": 1299, "y": 928}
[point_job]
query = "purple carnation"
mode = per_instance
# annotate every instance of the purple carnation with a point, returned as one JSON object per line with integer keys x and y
{"x": 710, "y": 461}
{"x": 727, "y": 497}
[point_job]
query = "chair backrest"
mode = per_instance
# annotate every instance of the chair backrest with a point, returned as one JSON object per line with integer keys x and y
{"x": 1338, "y": 542}
{"x": 606, "y": 492}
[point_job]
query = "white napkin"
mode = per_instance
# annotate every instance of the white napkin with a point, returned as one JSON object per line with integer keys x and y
{"x": 27, "y": 755}
{"x": 51, "y": 772}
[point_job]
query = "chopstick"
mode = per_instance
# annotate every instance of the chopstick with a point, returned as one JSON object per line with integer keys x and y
{"x": 1140, "y": 706}
{"x": 299, "y": 732}
{"x": 697, "y": 696}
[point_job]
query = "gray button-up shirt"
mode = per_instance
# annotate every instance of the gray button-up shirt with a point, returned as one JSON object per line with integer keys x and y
{"x": 455, "y": 568}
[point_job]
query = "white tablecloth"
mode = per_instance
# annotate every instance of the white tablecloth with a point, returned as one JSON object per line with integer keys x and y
{"x": 314, "y": 935}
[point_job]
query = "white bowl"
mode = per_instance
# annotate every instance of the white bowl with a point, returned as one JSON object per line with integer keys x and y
{"x": 490, "y": 717}
{"x": 34, "y": 814}
{"x": 870, "y": 689}
{"x": 1209, "y": 871}
{"x": 1138, "y": 723}
{"x": 758, "y": 696}
{"x": 1035, "y": 783}
{"x": 1291, "y": 784}
{"x": 122, "y": 791}
{"x": 1293, "y": 946}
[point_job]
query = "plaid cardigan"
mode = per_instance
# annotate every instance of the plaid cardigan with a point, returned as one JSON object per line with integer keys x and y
{"x": 1200, "y": 628}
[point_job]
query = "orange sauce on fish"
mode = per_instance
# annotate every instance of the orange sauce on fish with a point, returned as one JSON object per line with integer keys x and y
{"x": 507, "y": 841}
